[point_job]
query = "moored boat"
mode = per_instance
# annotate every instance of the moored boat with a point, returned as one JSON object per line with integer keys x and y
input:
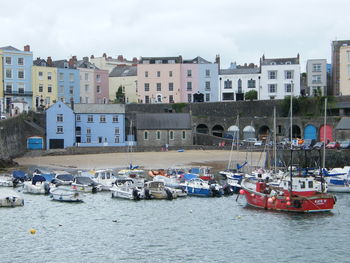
{"x": 40, "y": 184}
{"x": 158, "y": 190}
{"x": 125, "y": 188}
{"x": 105, "y": 178}
{"x": 64, "y": 194}
{"x": 199, "y": 187}
{"x": 10, "y": 198}
{"x": 85, "y": 184}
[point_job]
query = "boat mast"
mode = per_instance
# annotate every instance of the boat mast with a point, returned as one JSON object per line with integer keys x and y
{"x": 324, "y": 141}
{"x": 234, "y": 137}
{"x": 274, "y": 139}
{"x": 291, "y": 145}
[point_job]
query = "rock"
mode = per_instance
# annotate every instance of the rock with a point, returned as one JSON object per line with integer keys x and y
{"x": 5, "y": 163}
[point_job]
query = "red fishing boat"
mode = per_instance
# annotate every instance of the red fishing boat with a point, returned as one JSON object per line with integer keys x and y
{"x": 294, "y": 193}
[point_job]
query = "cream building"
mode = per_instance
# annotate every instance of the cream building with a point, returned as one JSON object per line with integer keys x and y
{"x": 44, "y": 84}
{"x": 109, "y": 63}
{"x": 344, "y": 70}
{"x": 125, "y": 77}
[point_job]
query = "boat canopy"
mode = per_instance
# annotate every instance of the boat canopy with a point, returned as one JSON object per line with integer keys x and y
{"x": 65, "y": 177}
{"x": 84, "y": 180}
{"x": 38, "y": 178}
{"x": 188, "y": 177}
{"x": 19, "y": 175}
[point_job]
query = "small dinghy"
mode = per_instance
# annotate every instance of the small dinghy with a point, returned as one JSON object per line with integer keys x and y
{"x": 40, "y": 184}
{"x": 158, "y": 190}
{"x": 64, "y": 194}
{"x": 85, "y": 184}
{"x": 10, "y": 198}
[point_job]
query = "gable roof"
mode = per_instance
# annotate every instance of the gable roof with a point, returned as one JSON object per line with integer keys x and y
{"x": 99, "y": 108}
{"x": 344, "y": 124}
{"x": 10, "y": 48}
{"x": 279, "y": 61}
{"x": 196, "y": 60}
{"x": 86, "y": 64}
{"x": 126, "y": 71}
{"x": 163, "y": 121}
{"x": 39, "y": 62}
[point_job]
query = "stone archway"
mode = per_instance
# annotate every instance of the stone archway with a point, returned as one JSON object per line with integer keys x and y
{"x": 264, "y": 133}
{"x": 202, "y": 128}
{"x": 248, "y": 132}
{"x": 296, "y": 131}
{"x": 217, "y": 131}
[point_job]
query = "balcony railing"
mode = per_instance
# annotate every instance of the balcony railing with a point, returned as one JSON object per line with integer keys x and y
{"x": 18, "y": 93}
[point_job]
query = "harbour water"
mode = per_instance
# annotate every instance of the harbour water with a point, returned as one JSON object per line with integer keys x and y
{"x": 103, "y": 229}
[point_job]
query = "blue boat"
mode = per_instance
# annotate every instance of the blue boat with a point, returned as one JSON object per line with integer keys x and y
{"x": 199, "y": 187}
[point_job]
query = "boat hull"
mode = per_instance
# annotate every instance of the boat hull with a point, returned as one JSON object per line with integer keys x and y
{"x": 66, "y": 195}
{"x": 10, "y": 199}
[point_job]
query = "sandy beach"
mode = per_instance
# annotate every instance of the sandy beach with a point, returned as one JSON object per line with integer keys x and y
{"x": 217, "y": 159}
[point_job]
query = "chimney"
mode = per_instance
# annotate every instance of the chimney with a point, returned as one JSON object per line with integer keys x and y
{"x": 217, "y": 60}
{"x": 74, "y": 58}
{"x": 104, "y": 55}
{"x": 86, "y": 59}
{"x": 92, "y": 56}
{"x": 71, "y": 63}
{"x": 26, "y": 48}
{"x": 49, "y": 62}
{"x": 134, "y": 59}
{"x": 120, "y": 58}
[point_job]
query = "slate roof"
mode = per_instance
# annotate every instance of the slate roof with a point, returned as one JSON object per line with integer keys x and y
{"x": 279, "y": 61}
{"x": 99, "y": 108}
{"x": 127, "y": 71}
{"x": 86, "y": 64}
{"x": 196, "y": 60}
{"x": 163, "y": 59}
{"x": 60, "y": 63}
{"x": 239, "y": 71}
{"x": 344, "y": 124}
{"x": 10, "y": 48}
{"x": 163, "y": 121}
{"x": 39, "y": 62}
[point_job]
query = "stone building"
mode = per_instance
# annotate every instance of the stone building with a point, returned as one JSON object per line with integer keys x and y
{"x": 161, "y": 129}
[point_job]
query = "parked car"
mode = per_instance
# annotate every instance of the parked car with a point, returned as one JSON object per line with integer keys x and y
{"x": 333, "y": 145}
{"x": 251, "y": 140}
{"x": 318, "y": 145}
{"x": 345, "y": 144}
{"x": 258, "y": 143}
{"x": 3, "y": 117}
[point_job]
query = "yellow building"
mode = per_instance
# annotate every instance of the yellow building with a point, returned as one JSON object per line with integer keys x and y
{"x": 44, "y": 85}
{"x": 125, "y": 77}
{"x": 344, "y": 70}
{"x": 1, "y": 86}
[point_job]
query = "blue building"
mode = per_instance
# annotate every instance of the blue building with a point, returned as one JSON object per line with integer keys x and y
{"x": 208, "y": 74}
{"x": 17, "y": 75}
{"x": 85, "y": 125}
{"x": 60, "y": 126}
{"x": 68, "y": 81}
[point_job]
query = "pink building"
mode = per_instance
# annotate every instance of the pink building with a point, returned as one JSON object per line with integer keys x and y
{"x": 159, "y": 79}
{"x": 189, "y": 81}
{"x": 101, "y": 86}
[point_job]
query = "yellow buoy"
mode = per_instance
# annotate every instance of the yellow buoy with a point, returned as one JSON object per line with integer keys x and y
{"x": 32, "y": 231}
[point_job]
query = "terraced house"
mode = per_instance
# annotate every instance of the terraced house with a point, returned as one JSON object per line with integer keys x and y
{"x": 1, "y": 86}
{"x": 44, "y": 77}
{"x": 17, "y": 76}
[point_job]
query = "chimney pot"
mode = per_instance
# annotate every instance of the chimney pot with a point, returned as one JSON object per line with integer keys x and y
{"x": 27, "y": 48}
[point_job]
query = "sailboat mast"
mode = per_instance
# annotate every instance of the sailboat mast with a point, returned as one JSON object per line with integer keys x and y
{"x": 274, "y": 139}
{"x": 291, "y": 119}
{"x": 324, "y": 142}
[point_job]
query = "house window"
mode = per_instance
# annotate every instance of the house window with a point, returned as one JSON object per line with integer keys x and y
{"x": 207, "y": 97}
{"x": 183, "y": 135}
{"x": 316, "y": 67}
{"x": 86, "y": 99}
{"x": 207, "y": 72}
{"x": 146, "y": 86}
{"x": 71, "y": 90}
{"x": 147, "y": 99}
{"x": 145, "y": 135}
{"x": 47, "y": 101}
{"x": 40, "y": 75}
{"x": 116, "y": 130}
{"x": 61, "y": 76}
{"x": 251, "y": 84}
{"x": 159, "y": 98}
{"x": 171, "y": 86}
{"x": 77, "y": 117}
{"x": 272, "y": 88}
{"x": 171, "y": 135}
{"x": 146, "y": 74}
{"x": 20, "y": 61}
{"x": 90, "y": 118}
{"x": 21, "y": 88}
{"x": 88, "y": 130}
{"x": 102, "y": 118}
{"x": 49, "y": 75}
{"x": 272, "y": 97}
{"x": 8, "y": 61}
{"x": 316, "y": 79}
{"x": 20, "y": 74}
{"x": 59, "y": 129}
{"x": 61, "y": 89}
{"x": 98, "y": 78}
{"x": 49, "y": 88}
{"x": 88, "y": 139}
{"x": 8, "y": 88}
{"x": 170, "y": 73}
{"x": 288, "y": 74}
{"x": 115, "y": 118}
{"x": 189, "y": 85}
{"x": 86, "y": 76}
{"x": 189, "y": 73}
{"x": 159, "y": 87}
{"x": 116, "y": 139}
{"x": 98, "y": 89}
{"x": 71, "y": 77}
{"x": 8, "y": 73}
{"x": 59, "y": 117}
{"x": 228, "y": 96}
{"x": 171, "y": 99}
{"x": 158, "y": 135}
{"x": 288, "y": 87}
{"x": 239, "y": 86}
{"x": 272, "y": 74}
{"x": 86, "y": 87}
{"x": 158, "y": 74}
{"x": 227, "y": 84}
{"x": 41, "y": 87}
{"x": 207, "y": 85}
{"x": 189, "y": 97}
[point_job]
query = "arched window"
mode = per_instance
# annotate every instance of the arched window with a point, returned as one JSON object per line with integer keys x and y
{"x": 171, "y": 135}
{"x": 158, "y": 135}
{"x": 184, "y": 135}
{"x": 159, "y": 98}
{"x": 145, "y": 135}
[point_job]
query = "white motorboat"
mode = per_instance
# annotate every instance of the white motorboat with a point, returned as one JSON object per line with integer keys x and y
{"x": 6, "y": 180}
{"x": 65, "y": 194}
{"x": 105, "y": 178}
{"x": 10, "y": 198}
{"x": 40, "y": 184}
{"x": 158, "y": 190}
{"x": 338, "y": 179}
{"x": 126, "y": 188}
{"x": 63, "y": 178}
{"x": 172, "y": 182}
{"x": 85, "y": 184}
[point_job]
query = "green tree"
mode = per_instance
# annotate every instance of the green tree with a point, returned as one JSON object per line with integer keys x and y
{"x": 119, "y": 95}
{"x": 251, "y": 95}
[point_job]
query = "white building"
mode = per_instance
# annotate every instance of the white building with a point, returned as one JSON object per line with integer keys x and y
{"x": 235, "y": 82}
{"x": 280, "y": 77}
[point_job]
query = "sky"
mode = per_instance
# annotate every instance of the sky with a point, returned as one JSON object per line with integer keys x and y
{"x": 240, "y": 31}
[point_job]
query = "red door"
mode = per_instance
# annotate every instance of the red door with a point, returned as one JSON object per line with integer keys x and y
{"x": 329, "y": 133}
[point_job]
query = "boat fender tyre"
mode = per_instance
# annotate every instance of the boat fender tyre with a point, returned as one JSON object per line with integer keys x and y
{"x": 147, "y": 194}
{"x": 169, "y": 194}
{"x": 135, "y": 194}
